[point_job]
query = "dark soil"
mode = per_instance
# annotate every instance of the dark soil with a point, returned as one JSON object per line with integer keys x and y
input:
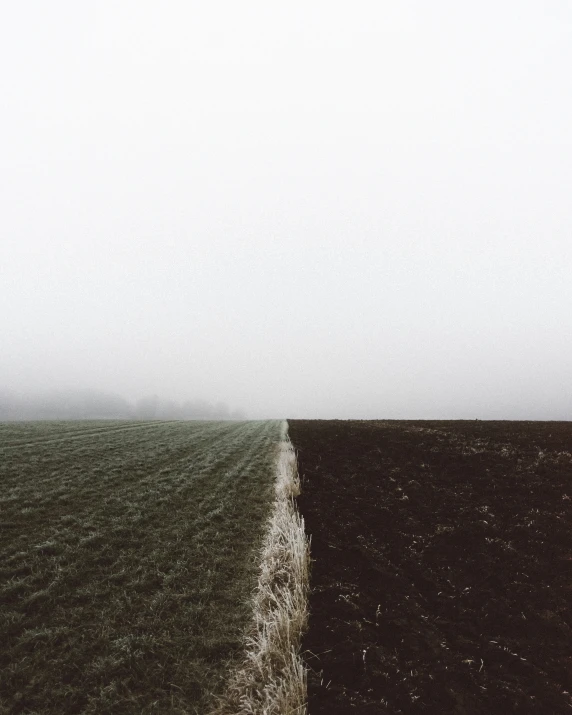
{"x": 442, "y": 563}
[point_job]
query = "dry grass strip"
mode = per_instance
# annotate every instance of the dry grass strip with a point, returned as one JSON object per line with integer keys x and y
{"x": 272, "y": 678}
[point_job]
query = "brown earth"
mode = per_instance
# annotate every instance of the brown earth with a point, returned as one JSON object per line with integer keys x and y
{"x": 442, "y": 557}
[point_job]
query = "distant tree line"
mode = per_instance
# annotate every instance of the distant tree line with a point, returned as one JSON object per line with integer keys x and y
{"x": 92, "y": 404}
{"x": 149, "y": 408}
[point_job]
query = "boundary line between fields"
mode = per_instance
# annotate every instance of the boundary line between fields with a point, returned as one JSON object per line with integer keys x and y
{"x": 272, "y": 679}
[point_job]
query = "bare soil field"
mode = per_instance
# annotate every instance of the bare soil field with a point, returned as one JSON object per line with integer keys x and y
{"x": 441, "y": 566}
{"x": 128, "y": 556}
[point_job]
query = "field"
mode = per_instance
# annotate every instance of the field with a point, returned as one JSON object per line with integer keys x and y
{"x": 131, "y": 567}
{"x": 441, "y": 566}
{"x": 128, "y": 557}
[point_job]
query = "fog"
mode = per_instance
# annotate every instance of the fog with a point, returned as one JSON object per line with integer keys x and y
{"x": 302, "y": 209}
{"x": 95, "y": 404}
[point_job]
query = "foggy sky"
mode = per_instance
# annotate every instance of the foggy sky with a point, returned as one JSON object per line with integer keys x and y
{"x": 303, "y": 209}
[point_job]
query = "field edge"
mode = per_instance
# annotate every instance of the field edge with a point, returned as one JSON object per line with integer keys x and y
{"x": 272, "y": 678}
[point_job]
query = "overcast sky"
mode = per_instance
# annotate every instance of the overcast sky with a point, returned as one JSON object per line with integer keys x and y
{"x": 306, "y": 209}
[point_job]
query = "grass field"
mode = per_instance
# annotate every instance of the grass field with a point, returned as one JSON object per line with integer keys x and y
{"x": 128, "y": 556}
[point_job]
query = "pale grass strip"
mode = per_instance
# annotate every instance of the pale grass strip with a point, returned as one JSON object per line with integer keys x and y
{"x": 272, "y": 678}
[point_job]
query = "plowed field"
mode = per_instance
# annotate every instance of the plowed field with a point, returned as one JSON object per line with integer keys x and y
{"x": 442, "y": 564}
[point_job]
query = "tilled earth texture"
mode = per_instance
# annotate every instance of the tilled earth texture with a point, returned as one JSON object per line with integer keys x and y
{"x": 442, "y": 559}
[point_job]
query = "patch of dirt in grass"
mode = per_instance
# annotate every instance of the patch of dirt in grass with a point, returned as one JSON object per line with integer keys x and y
{"x": 442, "y": 564}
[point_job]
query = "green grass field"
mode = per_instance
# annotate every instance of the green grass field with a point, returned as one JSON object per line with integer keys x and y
{"x": 128, "y": 557}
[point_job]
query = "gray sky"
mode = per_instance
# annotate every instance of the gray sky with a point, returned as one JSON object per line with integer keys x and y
{"x": 320, "y": 209}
